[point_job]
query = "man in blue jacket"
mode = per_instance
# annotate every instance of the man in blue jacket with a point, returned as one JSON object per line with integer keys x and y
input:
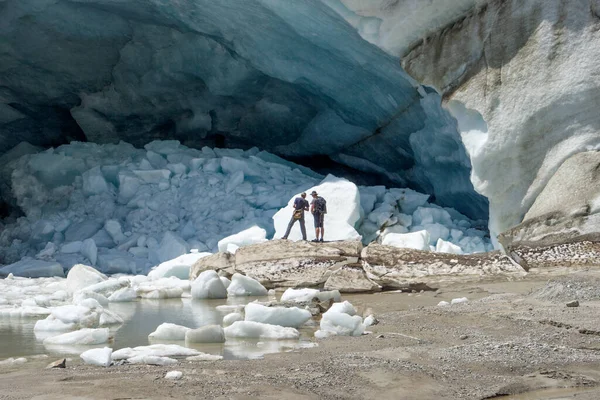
{"x": 300, "y": 205}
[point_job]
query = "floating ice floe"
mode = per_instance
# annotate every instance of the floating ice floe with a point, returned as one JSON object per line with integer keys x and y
{"x": 205, "y": 334}
{"x": 257, "y": 330}
{"x": 245, "y": 286}
{"x": 123, "y": 295}
{"x": 292, "y": 317}
{"x": 100, "y": 357}
{"x": 84, "y": 336}
{"x": 168, "y": 331}
{"x": 231, "y": 318}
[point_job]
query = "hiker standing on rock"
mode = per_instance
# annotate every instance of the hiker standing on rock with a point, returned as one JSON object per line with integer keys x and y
{"x": 318, "y": 207}
{"x": 300, "y": 205}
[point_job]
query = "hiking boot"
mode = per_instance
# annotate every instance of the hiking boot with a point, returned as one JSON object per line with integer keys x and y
{"x": 321, "y": 240}
{"x": 315, "y": 240}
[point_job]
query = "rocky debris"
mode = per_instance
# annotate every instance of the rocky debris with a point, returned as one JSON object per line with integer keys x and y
{"x": 348, "y": 267}
{"x": 408, "y": 269}
{"x": 62, "y": 363}
{"x": 573, "y": 303}
{"x": 564, "y": 289}
{"x": 585, "y": 253}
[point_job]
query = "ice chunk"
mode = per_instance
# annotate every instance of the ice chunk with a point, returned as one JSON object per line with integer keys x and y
{"x": 414, "y": 240}
{"x": 29, "y": 268}
{"x": 226, "y": 282}
{"x": 52, "y": 324}
{"x": 249, "y": 236}
{"x": 114, "y": 230}
{"x": 245, "y": 286}
{"x": 293, "y": 317}
{"x": 156, "y": 350}
{"x": 76, "y": 314}
{"x": 174, "y": 375}
{"x": 81, "y": 337}
{"x": 82, "y": 230}
{"x": 108, "y": 318}
{"x": 71, "y": 247}
{"x": 430, "y": 215}
{"x": 343, "y": 211}
{"x": 204, "y": 357}
{"x": 436, "y": 231}
{"x": 409, "y": 200}
{"x": 459, "y": 300}
{"x": 171, "y": 246}
{"x": 370, "y": 320}
{"x": 152, "y": 360}
{"x": 299, "y": 295}
{"x": 81, "y": 276}
{"x": 123, "y": 295}
{"x": 94, "y": 182}
{"x": 168, "y": 331}
{"x": 205, "y": 334}
{"x": 257, "y": 330}
{"x": 178, "y": 267}
{"x": 13, "y": 361}
{"x": 443, "y": 304}
{"x": 342, "y": 324}
{"x": 208, "y": 285}
{"x": 89, "y": 250}
{"x": 231, "y": 318}
{"x": 446, "y": 247}
{"x": 346, "y": 308}
{"x": 81, "y": 295}
{"x": 160, "y": 293}
{"x": 99, "y": 357}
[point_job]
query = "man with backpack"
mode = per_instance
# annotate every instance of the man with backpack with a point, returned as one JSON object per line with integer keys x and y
{"x": 300, "y": 205}
{"x": 318, "y": 207}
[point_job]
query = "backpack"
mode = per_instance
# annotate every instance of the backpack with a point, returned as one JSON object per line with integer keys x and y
{"x": 320, "y": 205}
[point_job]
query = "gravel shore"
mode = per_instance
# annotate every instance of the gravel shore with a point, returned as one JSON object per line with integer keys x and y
{"x": 516, "y": 339}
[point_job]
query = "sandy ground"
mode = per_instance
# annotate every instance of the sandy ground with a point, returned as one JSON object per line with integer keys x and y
{"x": 512, "y": 340}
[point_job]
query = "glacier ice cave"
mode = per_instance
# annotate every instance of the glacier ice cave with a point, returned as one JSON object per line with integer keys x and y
{"x": 133, "y": 131}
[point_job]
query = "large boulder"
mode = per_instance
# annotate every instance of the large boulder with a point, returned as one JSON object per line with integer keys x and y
{"x": 398, "y": 268}
{"x": 282, "y": 263}
{"x": 223, "y": 261}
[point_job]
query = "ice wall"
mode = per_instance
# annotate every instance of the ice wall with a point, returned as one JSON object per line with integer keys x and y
{"x": 530, "y": 70}
{"x": 291, "y": 77}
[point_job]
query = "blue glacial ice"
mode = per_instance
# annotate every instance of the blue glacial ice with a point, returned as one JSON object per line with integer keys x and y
{"x": 113, "y": 210}
{"x": 290, "y": 77}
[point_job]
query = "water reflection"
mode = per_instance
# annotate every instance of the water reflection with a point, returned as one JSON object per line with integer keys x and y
{"x": 141, "y": 318}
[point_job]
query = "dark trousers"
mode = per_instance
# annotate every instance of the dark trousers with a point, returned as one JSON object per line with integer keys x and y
{"x": 302, "y": 227}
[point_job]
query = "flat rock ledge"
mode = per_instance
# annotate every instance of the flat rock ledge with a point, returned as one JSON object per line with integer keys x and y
{"x": 348, "y": 267}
